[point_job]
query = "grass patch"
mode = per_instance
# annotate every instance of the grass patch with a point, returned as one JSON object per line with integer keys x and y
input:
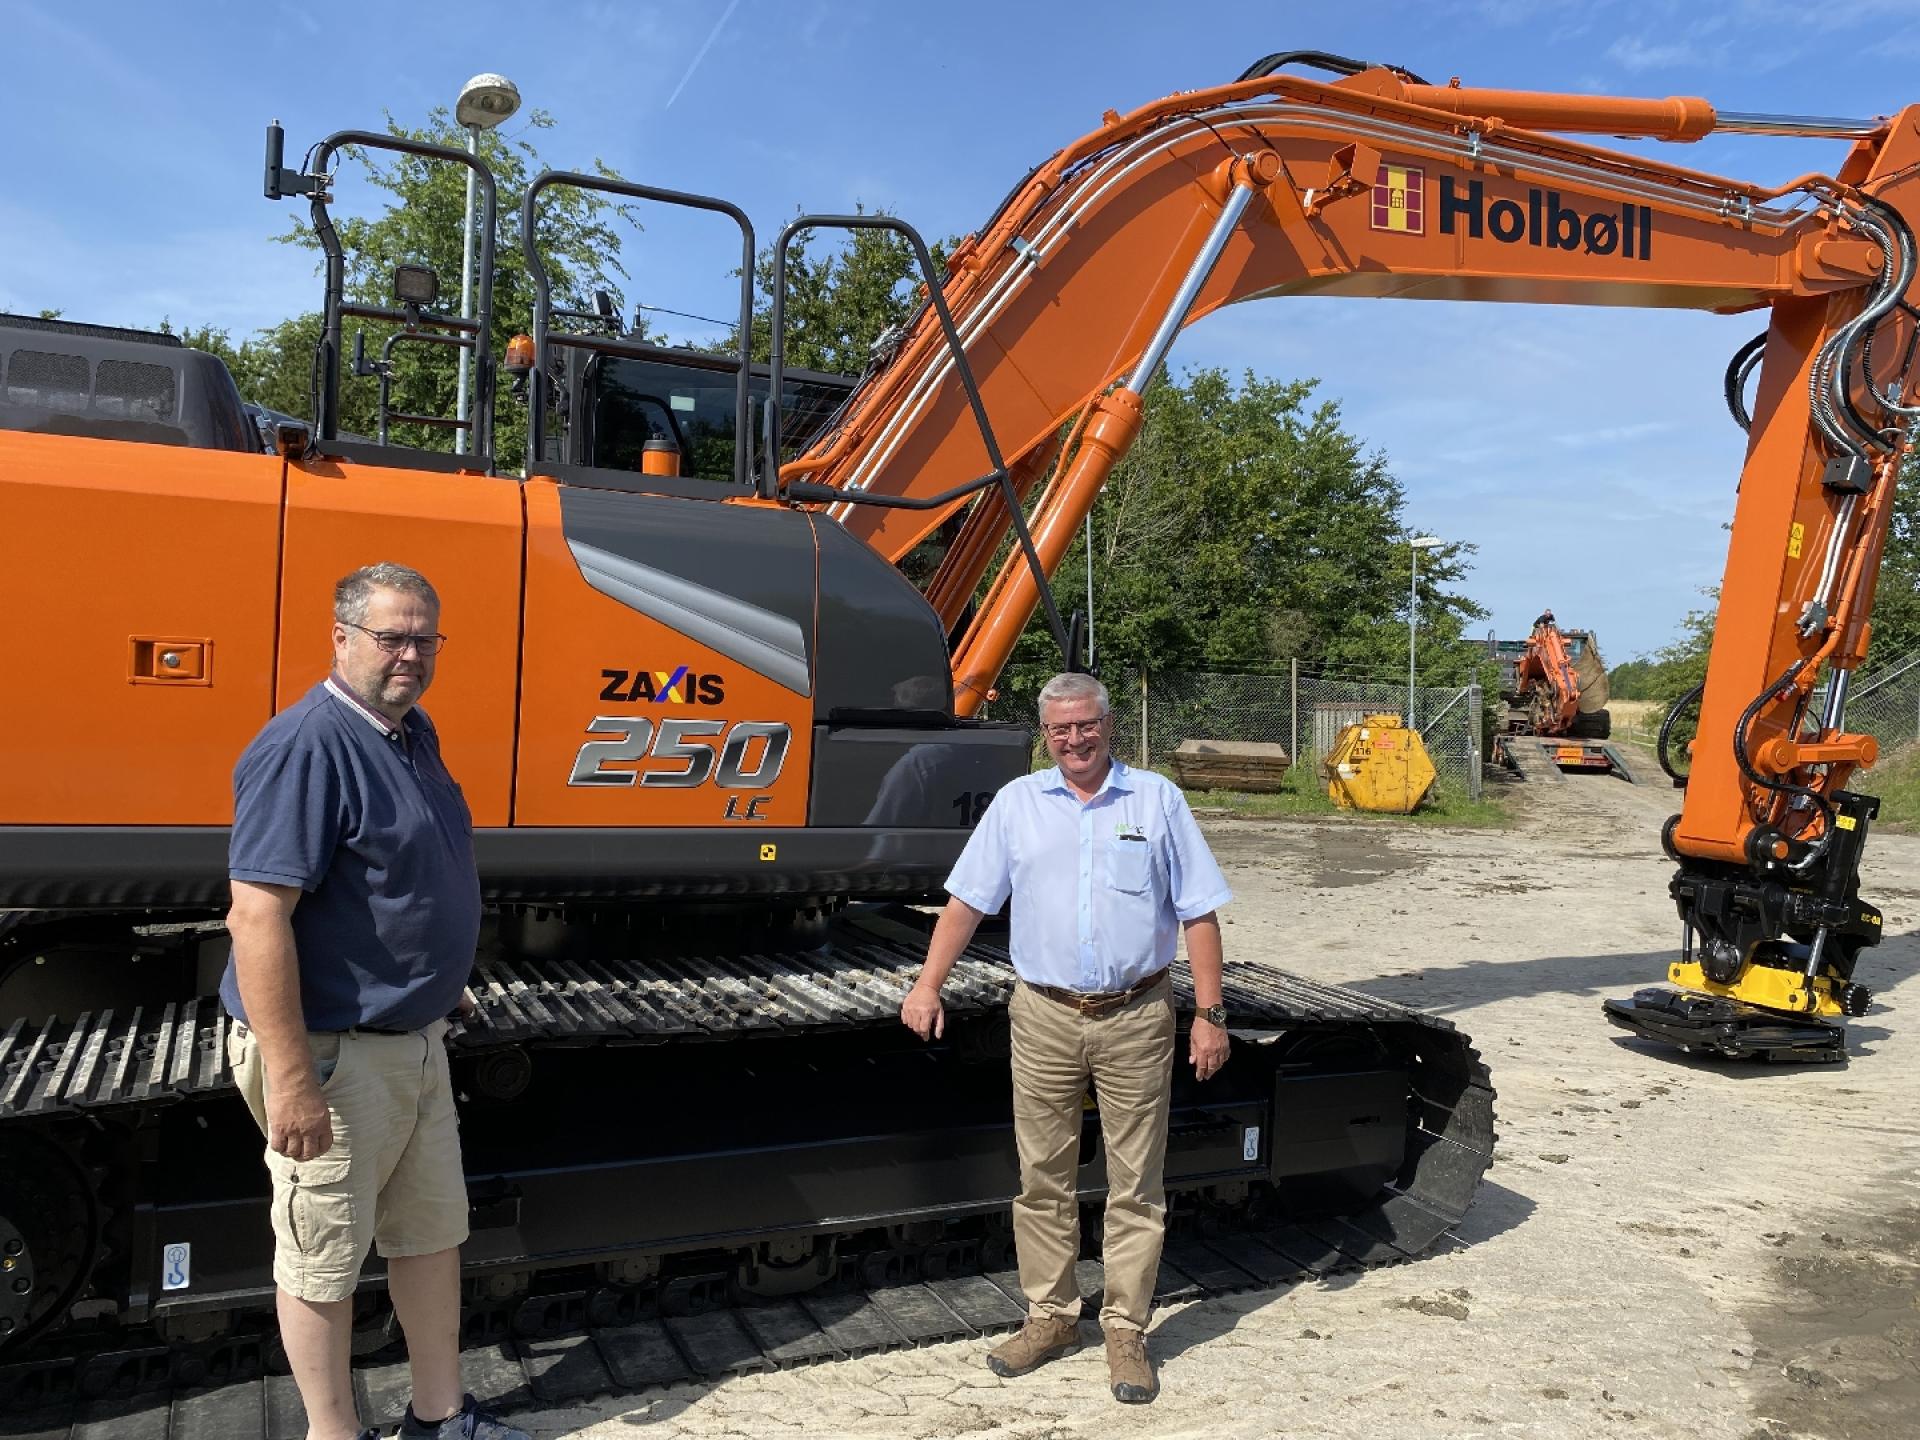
{"x": 1301, "y": 794}
{"x": 1896, "y": 780}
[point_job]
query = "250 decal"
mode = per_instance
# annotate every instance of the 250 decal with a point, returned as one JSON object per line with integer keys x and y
{"x": 680, "y": 740}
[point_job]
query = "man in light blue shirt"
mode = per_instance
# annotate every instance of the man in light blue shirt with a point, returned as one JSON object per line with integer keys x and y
{"x": 1105, "y": 867}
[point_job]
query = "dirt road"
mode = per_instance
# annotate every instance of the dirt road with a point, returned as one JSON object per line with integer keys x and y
{"x": 1663, "y": 1247}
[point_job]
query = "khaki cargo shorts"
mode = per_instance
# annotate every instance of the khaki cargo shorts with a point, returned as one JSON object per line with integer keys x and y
{"x": 393, "y": 1176}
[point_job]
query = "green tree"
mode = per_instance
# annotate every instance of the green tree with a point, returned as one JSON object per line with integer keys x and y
{"x": 841, "y": 299}
{"x": 1248, "y": 527}
{"x": 274, "y": 368}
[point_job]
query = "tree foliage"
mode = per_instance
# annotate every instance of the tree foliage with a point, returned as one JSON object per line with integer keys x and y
{"x": 1248, "y": 527}
{"x": 841, "y": 297}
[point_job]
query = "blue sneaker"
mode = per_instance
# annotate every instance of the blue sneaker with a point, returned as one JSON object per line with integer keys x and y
{"x": 469, "y": 1422}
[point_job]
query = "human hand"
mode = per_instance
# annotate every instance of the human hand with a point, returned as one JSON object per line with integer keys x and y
{"x": 1207, "y": 1048}
{"x": 922, "y": 1013}
{"x": 299, "y": 1125}
{"x": 468, "y": 1005}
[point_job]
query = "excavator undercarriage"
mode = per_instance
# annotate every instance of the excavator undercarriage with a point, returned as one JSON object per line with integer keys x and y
{"x": 690, "y": 1163}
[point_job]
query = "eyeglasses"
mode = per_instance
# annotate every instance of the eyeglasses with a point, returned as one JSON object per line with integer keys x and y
{"x": 1074, "y": 728}
{"x": 394, "y": 642}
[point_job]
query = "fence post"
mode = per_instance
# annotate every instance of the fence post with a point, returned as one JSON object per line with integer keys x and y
{"x": 1146, "y": 751}
{"x": 1473, "y": 742}
{"x": 1293, "y": 710}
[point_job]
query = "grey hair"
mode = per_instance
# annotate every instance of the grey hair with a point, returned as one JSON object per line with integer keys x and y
{"x": 354, "y": 593}
{"x": 1063, "y": 689}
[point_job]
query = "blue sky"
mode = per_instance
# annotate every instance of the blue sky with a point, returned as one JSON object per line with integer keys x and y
{"x": 1586, "y": 452}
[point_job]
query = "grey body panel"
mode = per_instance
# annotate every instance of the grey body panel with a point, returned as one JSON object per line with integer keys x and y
{"x": 881, "y": 647}
{"x": 60, "y": 378}
{"x": 744, "y": 581}
{"x": 916, "y": 779}
{"x": 737, "y": 579}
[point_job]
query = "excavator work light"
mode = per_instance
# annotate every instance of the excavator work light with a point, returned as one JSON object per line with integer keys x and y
{"x": 415, "y": 285}
{"x": 519, "y": 362}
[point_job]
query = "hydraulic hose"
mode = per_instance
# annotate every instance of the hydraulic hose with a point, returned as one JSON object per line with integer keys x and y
{"x": 1832, "y": 398}
{"x": 1321, "y": 60}
{"x": 1780, "y": 787}
{"x": 1745, "y": 360}
{"x": 1904, "y": 247}
{"x": 1674, "y": 713}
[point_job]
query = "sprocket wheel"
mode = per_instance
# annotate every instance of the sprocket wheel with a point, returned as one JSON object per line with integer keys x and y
{"x": 49, "y": 1231}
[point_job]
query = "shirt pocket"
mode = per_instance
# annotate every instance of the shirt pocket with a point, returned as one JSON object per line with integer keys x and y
{"x": 1129, "y": 865}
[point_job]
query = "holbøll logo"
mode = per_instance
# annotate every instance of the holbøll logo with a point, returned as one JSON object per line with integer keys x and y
{"x": 680, "y": 686}
{"x": 1400, "y": 200}
{"x": 1546, "y": 222}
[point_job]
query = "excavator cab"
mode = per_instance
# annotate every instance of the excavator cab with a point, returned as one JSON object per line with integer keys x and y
{"x": 627, "y": 411}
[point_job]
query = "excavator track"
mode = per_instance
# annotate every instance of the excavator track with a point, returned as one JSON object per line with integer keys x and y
{"x": 1336, "y": 1090}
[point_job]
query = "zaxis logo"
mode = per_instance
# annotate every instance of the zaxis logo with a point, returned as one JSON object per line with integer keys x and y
{"x": 1545, "y": 221}
{"x": 660, "y": 686}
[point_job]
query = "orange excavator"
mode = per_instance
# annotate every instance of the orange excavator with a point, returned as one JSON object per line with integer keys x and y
{"x": 1560, "y": 683}
{"x": 714, "y": 739}
{"x": 1556, "y": 713}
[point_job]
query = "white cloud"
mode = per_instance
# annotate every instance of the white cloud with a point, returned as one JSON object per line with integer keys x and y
{"x": 1636, "y": 54}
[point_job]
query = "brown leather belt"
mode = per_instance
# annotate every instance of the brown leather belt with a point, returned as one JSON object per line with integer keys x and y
{"x": 1094, "y": 1004}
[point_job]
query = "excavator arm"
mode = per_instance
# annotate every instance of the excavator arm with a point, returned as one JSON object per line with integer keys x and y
{"x": 1378, "y": 185}
{"x": 1560, "y": 677}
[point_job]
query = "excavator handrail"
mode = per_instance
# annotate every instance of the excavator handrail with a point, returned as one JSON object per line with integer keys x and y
{"x": 316, "y": 183}
{"x": 997, "y": 475}
{"x": 740, "y": 362}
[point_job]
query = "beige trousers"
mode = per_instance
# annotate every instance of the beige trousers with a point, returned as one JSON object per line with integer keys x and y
{"x": 1129, "y": 1057}
{"x": 393, "y": 1174}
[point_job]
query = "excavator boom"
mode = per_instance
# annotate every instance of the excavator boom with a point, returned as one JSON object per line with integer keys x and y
{"x": 1377, "y": 185}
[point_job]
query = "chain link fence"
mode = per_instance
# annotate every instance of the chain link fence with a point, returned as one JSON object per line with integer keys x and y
{"x": 1304, "y": 712}
{"x": 1884, "y": 704}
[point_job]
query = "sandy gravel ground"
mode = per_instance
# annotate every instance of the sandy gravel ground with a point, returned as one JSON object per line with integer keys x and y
{"x": 1663, "y": 1247}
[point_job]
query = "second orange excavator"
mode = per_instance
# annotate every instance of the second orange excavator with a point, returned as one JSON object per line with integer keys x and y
{"x": 1561, "y": 684}
{"x": 1556, "y": 715}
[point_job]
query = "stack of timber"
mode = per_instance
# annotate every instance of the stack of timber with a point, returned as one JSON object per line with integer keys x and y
{"x": 1230, "y": 765}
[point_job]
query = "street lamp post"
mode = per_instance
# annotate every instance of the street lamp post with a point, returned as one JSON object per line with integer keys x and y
{"x": 484, "y": 102}
{"x": 1415, "y": 544}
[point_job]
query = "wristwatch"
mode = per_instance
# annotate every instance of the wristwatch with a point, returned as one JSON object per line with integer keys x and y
{"x": 1215, "y": 1015}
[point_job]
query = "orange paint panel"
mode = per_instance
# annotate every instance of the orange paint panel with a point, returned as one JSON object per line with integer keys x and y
{"x": 463, "y": 533}
{"x": 576, "y": 636}
{"x": 107, "y": 542}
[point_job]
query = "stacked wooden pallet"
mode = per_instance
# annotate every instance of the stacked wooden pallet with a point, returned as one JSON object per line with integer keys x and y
{"x": 1230, "y": 765}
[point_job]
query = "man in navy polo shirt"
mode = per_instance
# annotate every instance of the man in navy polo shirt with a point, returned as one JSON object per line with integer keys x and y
{"x": 356, "y": 907}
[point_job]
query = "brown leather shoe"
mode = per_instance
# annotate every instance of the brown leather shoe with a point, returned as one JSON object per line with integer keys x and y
{"x": 1036, "y": 1342}
{"x": 1130, "y": 1369}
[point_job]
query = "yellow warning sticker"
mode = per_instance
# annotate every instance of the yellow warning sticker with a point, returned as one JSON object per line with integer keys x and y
{"x": 1794, "y": 537}
{"x": 769, "y": 852}
{"x": 1845, "y": 822}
